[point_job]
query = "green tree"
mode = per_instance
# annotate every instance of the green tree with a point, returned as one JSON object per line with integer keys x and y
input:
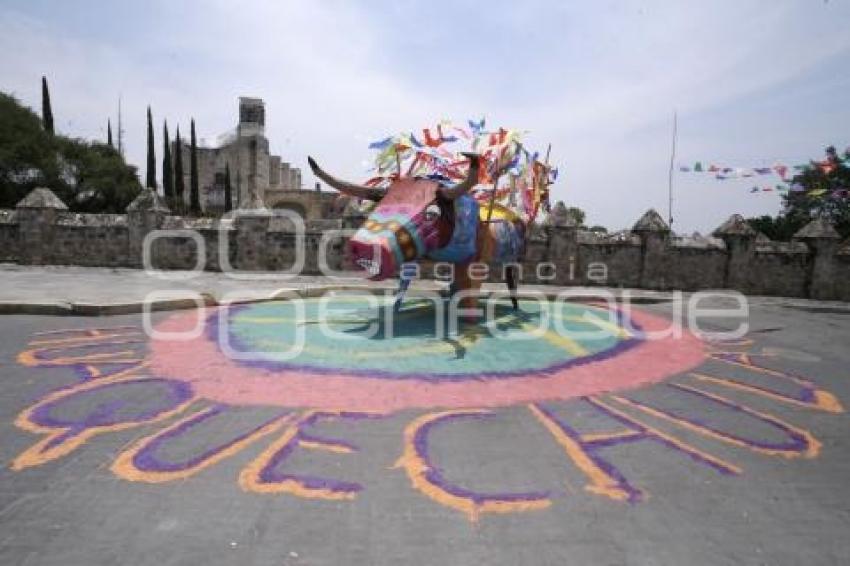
{"x": 228, "y": 189}
{"x": 194, "y": 195}
{"x": 46, "y": 111}
{"x": 577, "y": 215}
{"x": 779, "y": 228}
{"x": 179, "y": 178}
{"x": 90, "y": 177}
{"x": 102, "y": 182}
{"x": 27, "y": 152}
{"x": 151, "y": 168}
{"x": 167, "y": 172}
{"x": 819, "y": 190}
{"x": 825, "y": 187}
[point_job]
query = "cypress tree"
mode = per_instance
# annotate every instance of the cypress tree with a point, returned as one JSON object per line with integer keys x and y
{"x": 167, "y": 173}
{"x": 46, "y": 111}
{"x": 194, "y": 196}
{"x": 228, "y": 190}
{"x": 151, "y": 180}
{"x": 109, "y": 133}
{"x": 179, "y": 182}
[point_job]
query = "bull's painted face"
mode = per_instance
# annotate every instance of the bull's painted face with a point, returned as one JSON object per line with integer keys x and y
{"x": 411, "y": 220}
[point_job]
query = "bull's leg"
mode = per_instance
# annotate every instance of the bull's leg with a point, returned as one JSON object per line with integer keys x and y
{"x": 406, "y": 275}
{"x": 511, "y": 280}
{"x": 469, "y": 286}
{"x": 471, "y": 302}
{"x": 450, "y": 290}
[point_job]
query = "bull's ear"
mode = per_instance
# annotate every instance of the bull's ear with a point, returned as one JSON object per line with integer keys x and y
{"x": 471, "y": 180}
{"x": 359, "y": 191}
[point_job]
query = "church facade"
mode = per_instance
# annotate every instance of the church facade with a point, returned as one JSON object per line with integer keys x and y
{"x": 257, "y": 177}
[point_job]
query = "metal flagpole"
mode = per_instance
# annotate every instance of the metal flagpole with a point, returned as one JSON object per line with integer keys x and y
{"x": 670, "y": 176}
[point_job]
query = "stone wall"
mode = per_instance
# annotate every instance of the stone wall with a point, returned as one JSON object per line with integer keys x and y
{"x": 9, "y": 246}
{"x": 815, "y": 264}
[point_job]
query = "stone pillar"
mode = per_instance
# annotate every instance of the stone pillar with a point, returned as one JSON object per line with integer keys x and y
{"x": 740, "y": 240}
{"x": 654, "y": 236}
{"x": 822, "y": 240}
{"x": 252, "y": 226}
{"x": 37, "y": 214}
{"x": 144, "y": 215}
{"x": 561, "y": 249}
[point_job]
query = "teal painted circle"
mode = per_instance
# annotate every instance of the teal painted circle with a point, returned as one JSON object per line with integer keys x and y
{"x": 361, "y": 335}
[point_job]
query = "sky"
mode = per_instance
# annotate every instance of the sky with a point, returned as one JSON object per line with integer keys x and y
{"x": 753, "y": 83}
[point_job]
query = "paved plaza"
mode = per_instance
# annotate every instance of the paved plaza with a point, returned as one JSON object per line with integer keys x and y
{"x": 124, "y": 448}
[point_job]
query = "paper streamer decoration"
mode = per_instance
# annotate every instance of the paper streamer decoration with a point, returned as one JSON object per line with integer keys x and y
{"x": 836, "y": 193}
{"x": 436, "y": 152}
{"x": 782, "y": 170}
{"x": 723, "y": 173}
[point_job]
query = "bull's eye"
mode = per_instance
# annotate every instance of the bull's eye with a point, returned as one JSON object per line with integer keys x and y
{"x": 432, "y": 213}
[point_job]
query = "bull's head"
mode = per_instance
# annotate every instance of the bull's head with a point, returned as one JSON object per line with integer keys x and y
{"x": 413, "y": 217}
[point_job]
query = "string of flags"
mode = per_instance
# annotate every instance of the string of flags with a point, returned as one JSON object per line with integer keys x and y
{"x": 722, "y": 173}
{"x": 797, "y": 188}
{"x": 784, "y": 171}
{"x": 436, "y": 152}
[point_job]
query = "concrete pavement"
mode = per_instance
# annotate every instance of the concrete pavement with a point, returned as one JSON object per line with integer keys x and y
{"x": 87, "y": 291}
{"x": 111, "y": 456}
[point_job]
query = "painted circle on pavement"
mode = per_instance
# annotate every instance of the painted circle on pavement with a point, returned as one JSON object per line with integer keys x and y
{"x": 355, "y": 354}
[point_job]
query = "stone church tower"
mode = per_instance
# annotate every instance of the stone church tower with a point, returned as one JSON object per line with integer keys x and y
{"x": 253, "y": 170}
{"x": 252, "y": 153}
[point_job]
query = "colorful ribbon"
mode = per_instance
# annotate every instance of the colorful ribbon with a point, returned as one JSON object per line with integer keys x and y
{"x": 438, "y": 155}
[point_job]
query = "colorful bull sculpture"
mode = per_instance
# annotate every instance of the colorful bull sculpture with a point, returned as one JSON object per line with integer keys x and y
{"x": 419, "y": 218}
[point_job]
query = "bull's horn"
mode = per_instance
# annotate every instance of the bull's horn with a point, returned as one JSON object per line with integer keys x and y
{"x": 471, "y": 180}
{"x": 359, "y": 191}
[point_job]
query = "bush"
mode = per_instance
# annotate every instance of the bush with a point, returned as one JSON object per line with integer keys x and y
{"x": 87, "y": 176}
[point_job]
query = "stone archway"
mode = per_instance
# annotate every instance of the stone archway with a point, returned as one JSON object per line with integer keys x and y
{"x": 311, "y": 205}
{"x": 295, "y": 207}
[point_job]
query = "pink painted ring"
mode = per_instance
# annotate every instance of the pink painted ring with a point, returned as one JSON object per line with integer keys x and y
{"x": 216, "y": 377}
